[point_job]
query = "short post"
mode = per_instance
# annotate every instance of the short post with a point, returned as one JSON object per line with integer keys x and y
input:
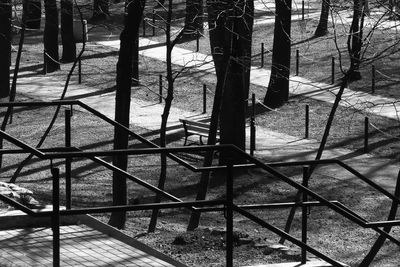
{"x": 68, "y": 160}
{"x": 366, "y": 132}
{"x": 373, "y": 79}
{"x": 297, "y": 62}
{"x": 262, "y": 55}
{"x": 253, "y": 125}
{"x": 304, "y": 216}
{"x": 79, "y": 70}
{"x": 302, "y": 10}
{"x": 55, "y": 218}
{"x": 307, "y": 121}
{"x": 160, "y": 88}
{"x": 204, "y": 99}
{"x": 333, "y": 70}
{"x": 144, "y": 27}
{"x": 229, "y": 215}
{"x": 153, "y": 19}
{"x": 44, "y": 62}
{"x": 197, "y": 42}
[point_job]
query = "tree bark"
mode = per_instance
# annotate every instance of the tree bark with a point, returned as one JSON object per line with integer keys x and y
{"x": 50, "y": 38}
{"x": 67, "y": 31}
{"x": 193, "y": 19}
{"x": 5, "y": 47}
{"x": 322, "y": 28}
{"x": 354, "y": 41}
{"x": 33, "y": 14}
{"x": 100, "y": 10}
{"x": 122, "y": 103}
{"x": 278, "y": 87}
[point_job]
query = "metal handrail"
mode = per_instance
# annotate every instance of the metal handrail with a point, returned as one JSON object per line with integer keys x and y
{"x": 71, "y": 152}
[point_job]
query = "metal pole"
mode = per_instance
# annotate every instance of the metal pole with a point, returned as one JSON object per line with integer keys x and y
{"x": 302, "y": 10}
{"x": 79, "y": 70}
{"x": 160, "y": 88}
{"x": 55, "y": 219}
{"x": 366, "y": 124}
{"x": 307, "y": 121}
{"x": 229, "y": 215}
{"x": 197, "y": 42}
{"x": 373, "y": 80}
{"x": 253, "y": 125}
{"x": 262, "y": 55}
{"x": 204, "y": 99}
{"x": 68, "y": 161}
{"x": 333, "y": 70}
{"x": 297, "y": 62}
{"x": 153, "y": 19}
{"x": 304, "y": 217}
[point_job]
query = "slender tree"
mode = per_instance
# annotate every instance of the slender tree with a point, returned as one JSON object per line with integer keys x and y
{"x": 50, "y": 37}
{"x": 278, "y": 87}
{"x": 5, "y": 47}
{"x": 33, "y": 12}
{"x": 67, "y": 31}
{"x": 322, "y": 28}
{"x": 128, "y": 35}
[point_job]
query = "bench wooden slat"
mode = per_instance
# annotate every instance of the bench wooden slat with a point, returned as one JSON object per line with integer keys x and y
{"x": 196, "y": 128}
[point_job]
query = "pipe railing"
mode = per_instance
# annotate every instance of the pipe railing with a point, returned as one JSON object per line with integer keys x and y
{"x": 228, "y": 203}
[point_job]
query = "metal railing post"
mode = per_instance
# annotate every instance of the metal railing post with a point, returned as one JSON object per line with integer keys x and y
{"x": 44, "y": 62}
{"x": 55, "y": 219}
{"x": 68, "y": 161}
{"x": 307, "y": 122}
{"x": 197, "y": 42}
{"x": 262, "y": 55}
{"x": 204, "y": 99}
{"x": 153, "y": 19}
{"x": 302, "y": 10}
{"x": 297, "y": 62}
{"x": 160, "y": 88}
{"x": 253, "y": 125}
{"x": 373, "y": 79}
{"x": 366, "y": 132}
{"x": 229, "y": 215}
{"x": 144, "y": 27}
{"x": 304, "y": 216}
{"x": 333, "y": 70}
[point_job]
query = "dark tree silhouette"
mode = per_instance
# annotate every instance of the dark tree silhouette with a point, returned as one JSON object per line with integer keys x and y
{"x": 5, "y": 47}
{"x": 322, "y": 28}
{"x": 193, "y": 18}
{"x": 33, "y": 12}
{"x": 122, "y": 103}
{"x": 278, "y": 87}
{"x": 100, "y": 10}
{"x": 50, "y": 37}
{"x": 67, "y": 31}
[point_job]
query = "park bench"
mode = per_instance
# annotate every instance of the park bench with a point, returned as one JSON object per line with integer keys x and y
{"x": 196, "y": 128}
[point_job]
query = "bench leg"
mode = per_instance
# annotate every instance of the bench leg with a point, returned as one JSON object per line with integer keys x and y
{"x": 201, "y": 140}
{"x": 186, "y": 138}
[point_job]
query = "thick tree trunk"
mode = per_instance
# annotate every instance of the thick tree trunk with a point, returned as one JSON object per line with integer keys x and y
{"x": 33, "y": 14}
{"x": 67, "y": 31}
{"x": 230, "y": 40}
{"x": 194, "y": 18}
{"x": 5, "y": 47}
{"x": 50, "y": 38}
{"x": 122, "y": 104}
{"x": 278, "y": 87}
{"x": 100, "y": 10}
{"x": 322, "y": 28}
{"x": 354, "y": 42}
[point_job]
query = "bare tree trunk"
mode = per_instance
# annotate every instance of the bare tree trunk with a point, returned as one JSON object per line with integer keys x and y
{"x": 230, "y": 39}
{"x": 354, "y": 41}
{"x": 322, "y": 28}
{"x": 33, "y": 12}
{"x": 278, "y": 87}
{"x": 50, "y": 37}
{"x": 5, "y": 47}
{"x": 101, "y": 10}
{"x": 122, "y": 104}
{"x": 193, "y": 18}
{"x": 67, "y": 31}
